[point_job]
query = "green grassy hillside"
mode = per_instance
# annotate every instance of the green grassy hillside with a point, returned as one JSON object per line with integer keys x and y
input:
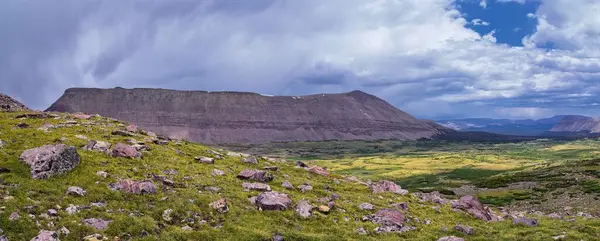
{"x": 142, "y": 217}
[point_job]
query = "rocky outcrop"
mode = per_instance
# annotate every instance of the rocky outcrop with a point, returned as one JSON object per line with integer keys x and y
{"x": 8, "y": 104}
{"x": 47, "y": 161}
{"x": 473, "y": 206}
{"x": 387, "y": 186}
{"x": 256, "y": 175}
{"x": 235, "y": 117}
{"x": 130, "y": 186}
{"x": 577, "y": 124}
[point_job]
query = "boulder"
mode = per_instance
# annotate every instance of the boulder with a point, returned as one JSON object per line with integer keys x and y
{"x": 206, "y": 160}
{"x": 273, "y": 201}
{"x": 450, "y": 238}
{"x": 304, "y": 209}
{"x": 129, "y": 186}
{"x": 250, "y": 160}
{"x": 271, "y": 168}
{"x": 468, "y": 230}
{"x": 217, "y": 172}
{"x": 318, "y": 170}
{"x": 286, "y": 184}
{"x": 45, "y": 235}
{"x": 305, "y": 187}
{"x": 50, "y": 160}
{"x": 324, "y": 209}
{"x": 389, "y": 220}
{"x": 124, "y": 150}
{"x": 473, "y": 206}
{"x": 256, "y": 186}
{"x": 76, "y": 191}
{"x": 256, "y": 175}
{"x": 98, "y": 224}
{"x": 525, "y": 221}
{"x": 220, "y": 205}
{"x": 99, "y": 146}
{"x": 387, "y": 186}
{"x": 366, "y": 206}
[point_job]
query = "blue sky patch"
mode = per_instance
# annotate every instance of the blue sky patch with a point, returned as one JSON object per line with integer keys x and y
{"x": 508, "y": 19}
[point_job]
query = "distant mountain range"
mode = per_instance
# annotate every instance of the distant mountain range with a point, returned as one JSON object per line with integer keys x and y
{"x": 553, "y": 126}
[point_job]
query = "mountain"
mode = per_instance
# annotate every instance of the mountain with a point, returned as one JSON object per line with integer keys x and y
{"x": 577, "y": 124}
{"x": 240, "y": 117}
{"x": 526, "y": 127}
{"x": 8, "y": 104}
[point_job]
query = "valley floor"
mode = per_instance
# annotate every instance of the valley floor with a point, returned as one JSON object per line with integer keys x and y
{"x": 189, "y": 191}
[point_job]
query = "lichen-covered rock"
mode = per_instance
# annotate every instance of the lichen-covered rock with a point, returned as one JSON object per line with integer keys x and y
{"x": 98, "y": 224}
{"x": 318, "y": 170}
{"x": 76, "y": 191}
{"x": 304, "y": 209}
{"x": 390, "y": 220}
{"x": 256, "y": 175}
{"x": 220, "y": 205}
{"x": 217, "y": 172}
{"x": 130, "y": 186}
{"x": 99, "y": 146}
{"x": 124, "y": 150}
{"x": 45, "y": 235}
{"x": 366, "y": 206}
{"x": 273, "y": 201}
{"x": 387, "y": 186}
{"x": 256, "y": 186}
{"x": 96, "y": 237}
{"x": 50, "y": 160}
{"x": 473, "y": 206}
{"x": 434, "y": 197}
{"x": 305, "y": 187}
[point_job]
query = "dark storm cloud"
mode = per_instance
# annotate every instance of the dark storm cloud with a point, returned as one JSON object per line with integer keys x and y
{"x": 426, "y": 62}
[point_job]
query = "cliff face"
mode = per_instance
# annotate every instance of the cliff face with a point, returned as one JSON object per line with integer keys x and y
{"x": 8, "y": 104}
{"x": 237, "y": 117}
{"x": 577, "y": 124}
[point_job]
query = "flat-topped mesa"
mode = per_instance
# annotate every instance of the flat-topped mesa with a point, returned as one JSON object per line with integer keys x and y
{"x": 242, "y": 117}
{"x": 8, "y": 104}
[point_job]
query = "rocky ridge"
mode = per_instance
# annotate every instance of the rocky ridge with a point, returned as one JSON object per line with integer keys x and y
{"x": 237, "y": 117}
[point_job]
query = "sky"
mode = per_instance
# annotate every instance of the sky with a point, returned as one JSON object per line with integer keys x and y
{"x": 435, "y": 59}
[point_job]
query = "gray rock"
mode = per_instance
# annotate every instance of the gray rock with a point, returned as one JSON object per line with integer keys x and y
{"x": 287, "y": 184}
{"x": 102, "y": 174}
{"x": 45, "y": 235}
{"x": 304, "y": 209}
{"x": 98, "y": 224}
{"x": 305, "y": 187}
{"x": 50, "y": 160}
{"x": 366, "y": 206}
{"x": 256, "y": 186}
{"x": 14, "y": 216}
{"x": 206, "y": 160}
{"x": 2, "y": 143}
{"x": 450, "y": 238}
{"x": 76, "y": 191}
{"x": 464, "y": 229}
{"x": 130, "y": 186}
{"x": 64, "y": 231}
{"x": 218, "y": 172}
{"x": 277, "y": 237}
{"x": 525, "y": 221}
{"x": 124, "y": 150}
{"x": 473, "y": 206}
{"x": 250, "y": 160}
{"x": 273, "y": 201}
{"x": 72, "y": 209}
{"x": 387, "y": 186}
{"x": 99, "y": 146}
{"x": 256, "y": 175}
{"x": 362, "y": 231}
{"x": 389, "y": 220}
{"x": 52, "y": 212}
